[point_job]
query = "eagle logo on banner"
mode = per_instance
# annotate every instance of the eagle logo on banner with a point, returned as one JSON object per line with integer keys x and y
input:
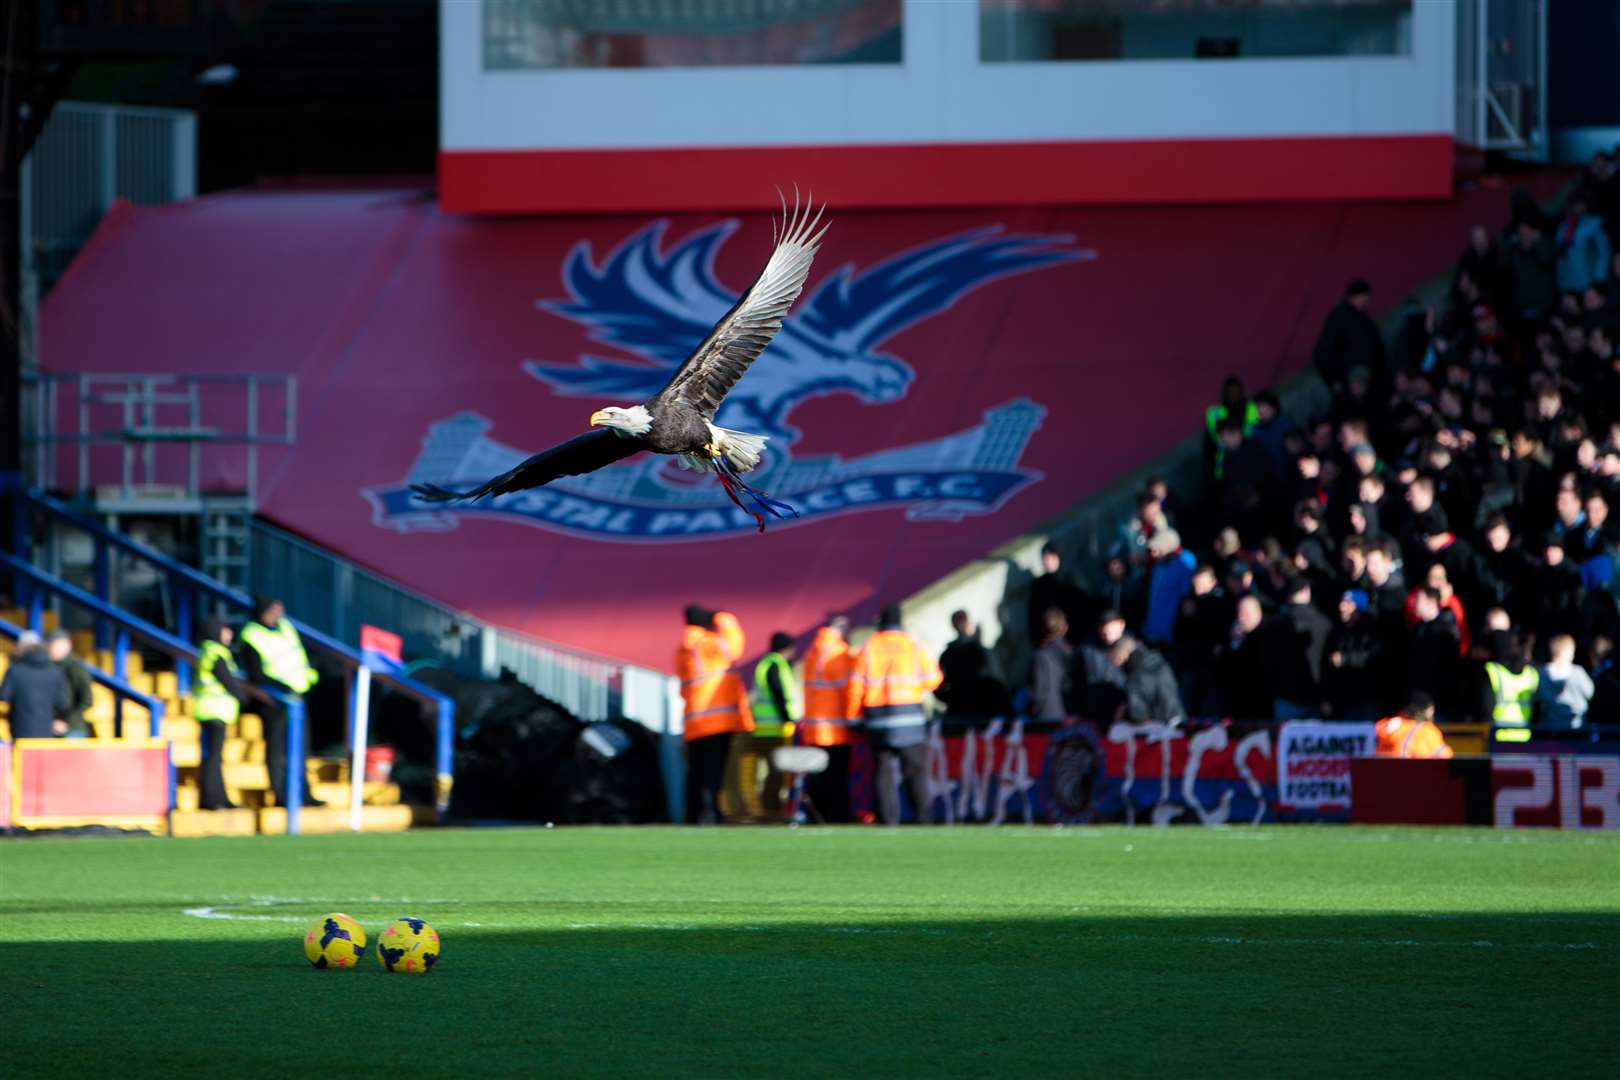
{"x": 656, "y": 305}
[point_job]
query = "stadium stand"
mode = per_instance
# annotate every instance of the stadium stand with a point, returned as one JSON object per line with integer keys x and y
{"x": 1444, "y": 520}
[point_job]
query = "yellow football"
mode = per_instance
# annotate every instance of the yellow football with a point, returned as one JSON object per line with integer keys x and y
{"x": 335, "y": 941}
{"x": 408, "y": 945}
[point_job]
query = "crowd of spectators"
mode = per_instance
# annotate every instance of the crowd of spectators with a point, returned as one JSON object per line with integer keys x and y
{"x": 1447, "y": 522}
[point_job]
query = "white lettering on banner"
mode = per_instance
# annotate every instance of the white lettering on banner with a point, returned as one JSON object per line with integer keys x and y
{"x": 1313, "y": 761}
{"x": 1254, "y": 742}
{"x": 1212, "y": 739}
{"x": 1580, "y": 783}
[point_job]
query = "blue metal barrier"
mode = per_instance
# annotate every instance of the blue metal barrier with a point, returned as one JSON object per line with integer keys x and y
{"x": 190, "y": 586}
{"x": 34, "y": 584}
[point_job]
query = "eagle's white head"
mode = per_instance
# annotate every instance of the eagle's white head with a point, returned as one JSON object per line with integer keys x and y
{"x": 635, "y": 420}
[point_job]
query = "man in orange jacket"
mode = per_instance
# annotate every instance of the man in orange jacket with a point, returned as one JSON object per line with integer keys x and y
{"x": 716, "y": 705}
{"x": 827, "y": 716}
{"x": 886, "y": 686}
{"x": 1412, "y": 733}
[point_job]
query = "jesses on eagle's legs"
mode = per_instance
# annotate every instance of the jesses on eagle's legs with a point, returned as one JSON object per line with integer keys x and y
{"x": 732, "y": 482}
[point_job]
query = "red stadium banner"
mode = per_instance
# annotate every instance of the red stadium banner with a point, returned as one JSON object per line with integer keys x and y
{"x": 61, "y": 783}
{"x": 948, "y": 380}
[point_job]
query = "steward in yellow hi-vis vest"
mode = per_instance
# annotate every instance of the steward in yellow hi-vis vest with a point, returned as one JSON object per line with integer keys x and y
{"x": 273, "y": 657}
{"x": 217, "y": 695}
{"x": 776, "y": 692}
{"x": 1513, "y": 687}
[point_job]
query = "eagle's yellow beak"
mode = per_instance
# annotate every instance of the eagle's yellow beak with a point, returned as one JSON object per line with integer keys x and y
{"x": 599, "y": 417}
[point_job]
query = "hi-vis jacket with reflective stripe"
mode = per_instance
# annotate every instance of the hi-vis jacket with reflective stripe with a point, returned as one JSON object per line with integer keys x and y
{"x": 1401, "y": 737}
{"x": 716, "y": 701}
{"x": 827, "y": 711}
{"x": 889, "y": 679}
{"x": 1514, "y": 694}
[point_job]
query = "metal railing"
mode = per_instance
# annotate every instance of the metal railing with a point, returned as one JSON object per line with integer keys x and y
{"x": 142, "y": 413}
{"x": 89, "y": 155}
{"x": 336, "y": 595}
{"x": 1502, "y": 76}
{"x": 121, "y": 690}
{"x": 193, "y": 593}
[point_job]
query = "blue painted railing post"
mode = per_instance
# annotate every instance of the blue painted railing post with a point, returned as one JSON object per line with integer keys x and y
{"x": 182, "y": 629}
{"x": 103, "y": 591}
{"x": 121, "y": 654}
{"x": 36, "y": 609}
{"x": 295, "y": 762}
{"x": 446, "y": 756}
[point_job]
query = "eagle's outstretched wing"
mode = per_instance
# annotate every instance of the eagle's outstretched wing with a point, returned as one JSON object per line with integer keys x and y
{"x": 581, "y": 454}
{"x": 714, "y": 367}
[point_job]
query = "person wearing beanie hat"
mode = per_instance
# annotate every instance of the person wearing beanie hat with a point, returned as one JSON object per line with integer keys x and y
{"x": 36, "y": 690}
{"x": 1355, "y": 656}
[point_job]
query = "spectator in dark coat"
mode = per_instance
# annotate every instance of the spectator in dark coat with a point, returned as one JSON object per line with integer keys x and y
{"x": 36, "y": 690}
{"x": 1605, "y": 708}
{"x": 1049, "y": 693}
{"x": 1246, "y": 482}
{"x": 971, "y": 690}
{"x": 1434, "y": 663}
{"x": 59, "y": 646}
{"x": 1096, "y": 684}
{"x": 1150, "y": 685}
{"x": 1556, "y": 588}
{"x": 1201, "y": 628}
{"x": 1531, "y": 264}
{"x": 1245, "y": 690}
{"x": 1056, "y": 588}
{"x": 1295, "y": 645}
{"x": 1350, "y": 338}
{"x": 1500, "y": 572}
{"x": 1356, "y": 686}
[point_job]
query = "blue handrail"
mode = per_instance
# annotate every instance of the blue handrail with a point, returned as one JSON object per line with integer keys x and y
{"x": 192, "y": 582}
{"x": 39, "y": 583}
{"x": 120, "y": 689}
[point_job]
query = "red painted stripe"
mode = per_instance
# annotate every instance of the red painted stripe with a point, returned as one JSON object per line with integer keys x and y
{"x": 1396, "y": 167}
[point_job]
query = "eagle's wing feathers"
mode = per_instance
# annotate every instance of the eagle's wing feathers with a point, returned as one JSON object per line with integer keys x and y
{"x": 581, "y": 454}
{"x": 714, "y": 367}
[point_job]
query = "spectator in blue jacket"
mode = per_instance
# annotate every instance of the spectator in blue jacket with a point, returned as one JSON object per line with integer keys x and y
{"x": 1170, "y": 580}
{"x": 1583, "y": 246}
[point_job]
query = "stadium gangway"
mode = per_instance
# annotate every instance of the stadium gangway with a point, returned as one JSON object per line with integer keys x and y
{"x": 35, "y": 584}
{"x": 189, "y": 586}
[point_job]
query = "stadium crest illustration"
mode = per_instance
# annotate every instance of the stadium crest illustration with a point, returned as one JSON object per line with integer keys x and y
{"x": 656, "y": 306}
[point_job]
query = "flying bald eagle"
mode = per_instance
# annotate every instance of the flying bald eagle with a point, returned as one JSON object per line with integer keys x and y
{"x": 679, "y": 419}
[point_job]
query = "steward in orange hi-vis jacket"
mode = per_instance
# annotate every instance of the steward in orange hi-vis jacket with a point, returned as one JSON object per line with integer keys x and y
{"x": 827, "y": 718}
{"x": 886, "y": 687}
{"x": 1411, "y": 733}
{"x": 716, "y": 705}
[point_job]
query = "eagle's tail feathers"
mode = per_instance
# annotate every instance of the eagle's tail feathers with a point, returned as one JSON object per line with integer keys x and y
{"x": 742, "y": 449}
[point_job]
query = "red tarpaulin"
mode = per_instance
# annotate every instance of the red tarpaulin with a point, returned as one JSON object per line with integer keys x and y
{"x": 949, "y": 380}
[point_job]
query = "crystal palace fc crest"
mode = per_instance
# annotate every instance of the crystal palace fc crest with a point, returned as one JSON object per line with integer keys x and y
{"x": 656, "y": 305}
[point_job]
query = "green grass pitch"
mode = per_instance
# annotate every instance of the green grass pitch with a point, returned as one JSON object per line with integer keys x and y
{"x": 665, "y": 952}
